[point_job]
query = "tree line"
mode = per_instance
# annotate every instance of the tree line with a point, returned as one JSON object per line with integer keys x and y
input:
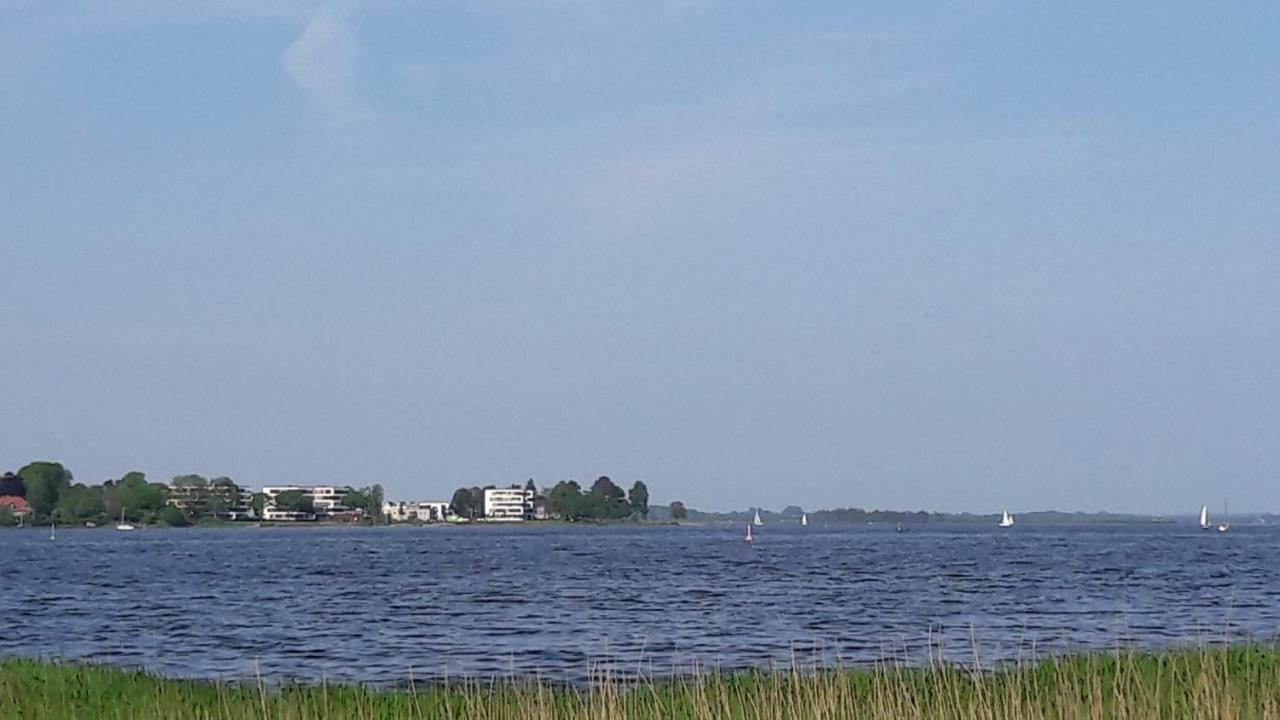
{"x": 566, "y": 500}
{"x": 53, "y": 495}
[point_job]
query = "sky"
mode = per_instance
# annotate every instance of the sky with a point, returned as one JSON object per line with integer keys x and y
{"x": 936, "y": 255}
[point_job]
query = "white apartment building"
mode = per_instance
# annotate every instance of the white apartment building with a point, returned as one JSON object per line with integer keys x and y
{"x": 415, "y": 511}
{"x": 508, "y": 504}
{"x": 236, "y": 502}
{"x": 325, "y": 500}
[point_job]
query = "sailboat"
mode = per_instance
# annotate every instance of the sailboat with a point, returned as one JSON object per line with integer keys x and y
{"x": 749, "y": 538}
{"x": 804, "y": 519}
{"x": 757, "y": 520}
{"x": 1224, "y": 525}
{"x": 53, "y": 531}
{"x": 1006, "y": 520}
{"x": 1204, "y": 517}
{"x": 122, "y": 525}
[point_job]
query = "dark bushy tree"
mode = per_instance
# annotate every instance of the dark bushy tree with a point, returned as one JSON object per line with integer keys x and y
{"x": 44, "y": 482}
{"x": 294, "y": 501}
{"x": 11, "y": 484}
{"x": 638, "y": 499}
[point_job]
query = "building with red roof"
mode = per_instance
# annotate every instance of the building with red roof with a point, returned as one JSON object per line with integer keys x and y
{"x": 18, "y": 504}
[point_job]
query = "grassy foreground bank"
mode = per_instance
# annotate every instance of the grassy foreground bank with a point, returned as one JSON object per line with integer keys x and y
{"x": 1204, "y": 683}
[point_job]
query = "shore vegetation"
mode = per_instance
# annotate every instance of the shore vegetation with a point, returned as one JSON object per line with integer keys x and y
{"x": 1233, "y": 682}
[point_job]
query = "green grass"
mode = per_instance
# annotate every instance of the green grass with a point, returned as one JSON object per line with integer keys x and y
{"x": 1241, "y": 682}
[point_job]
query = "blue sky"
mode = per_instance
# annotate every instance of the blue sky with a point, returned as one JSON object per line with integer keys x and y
{"x": 948, "y": 255}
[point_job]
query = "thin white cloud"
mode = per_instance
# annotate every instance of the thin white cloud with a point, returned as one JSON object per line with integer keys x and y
{"x": 325, "y": 62}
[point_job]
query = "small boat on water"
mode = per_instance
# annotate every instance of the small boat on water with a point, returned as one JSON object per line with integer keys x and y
{"x": 53, "y": 531}
{"x": 1006, "y": 520}
{"x": 1224, "y": 525}
{"x": 804, "y": 520}
{"x": 122, "y": 525}
{"x": 749, "y": 538}
{"x": 1204, "y": 517}
{"x": 757, "y": 520}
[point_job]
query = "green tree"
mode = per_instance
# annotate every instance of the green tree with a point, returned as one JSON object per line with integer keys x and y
{"x": 174, "y": 517}
{"x": 80, "y": 503}
{"x": 295, "y": 501}
{"x": 259, "y": 503}
{"x": 7, "y": 517}
{"x": 376, "y": 496}
{"x": 678, "y": 511}
{"x": 606, "y": 500}
{"x": 195, "y": 492}
{"x": 45, "y": 482}
{"x": 357, "y": 500}
{"x": 11, "y": 484}
{"x": 224, "y": 494}
{"x": 565, "y": 500}
{"x": 140, "y": 498}
{"x": 468, "y": 502}
{"x": 638, "y": 499}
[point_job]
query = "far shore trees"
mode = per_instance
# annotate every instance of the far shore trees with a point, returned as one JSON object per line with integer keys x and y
{"x": 638, "y": 499}
{"x": 11, "y": 484}
{"x": 678, "y": 511}
{"x": 468, "y": 502}
{"x": 368, "y": 499}
{"x": 295, "y": 501}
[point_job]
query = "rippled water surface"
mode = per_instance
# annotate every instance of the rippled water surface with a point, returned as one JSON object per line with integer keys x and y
{"x": 379, "y": 604}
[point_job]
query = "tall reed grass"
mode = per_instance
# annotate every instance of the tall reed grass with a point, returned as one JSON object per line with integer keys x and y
{"x": 1239, "y": 682}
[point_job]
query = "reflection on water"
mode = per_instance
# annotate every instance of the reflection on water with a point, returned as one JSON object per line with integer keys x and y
{"x": 378, "y": 604}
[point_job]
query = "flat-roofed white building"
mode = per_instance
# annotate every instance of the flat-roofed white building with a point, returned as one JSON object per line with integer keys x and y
{"x": 508, "y": 504}
{"x": 325, "y": 500}
{"x": 415, "y": 510}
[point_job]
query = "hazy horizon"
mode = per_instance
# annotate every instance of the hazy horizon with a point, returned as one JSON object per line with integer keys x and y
{"x": 945, "y": 256}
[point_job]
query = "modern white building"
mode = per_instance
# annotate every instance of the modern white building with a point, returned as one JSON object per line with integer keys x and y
{"x": 508, "y": 504}
{"x": 325, "y": 500}
{"x": 415, "y": 511}
{"x": 231, "y": 501}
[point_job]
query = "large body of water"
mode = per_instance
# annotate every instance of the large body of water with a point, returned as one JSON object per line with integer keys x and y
{"x": 376, "y": 605}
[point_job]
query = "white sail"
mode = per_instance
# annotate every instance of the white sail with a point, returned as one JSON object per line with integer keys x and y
{"x": 1006, "y": 520}
{"x": 1204, "y": 517}
{"x": 757, "y": 520}
{"x": 804, "y": 519}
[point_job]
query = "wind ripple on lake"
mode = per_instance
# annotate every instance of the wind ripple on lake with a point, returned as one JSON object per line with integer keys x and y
{"x": 375, "y": 605}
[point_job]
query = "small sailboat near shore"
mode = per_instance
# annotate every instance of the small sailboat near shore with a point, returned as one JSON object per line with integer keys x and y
{"x": 1204, "y": 517}
{"x": 1225, "y": 525}
{"x": 1006, "y": 520}
{"x": 122, "y": 525}
{"x": 749, "y": 538}
{"x": 804, "y": 520}
{"x": 757, "y": 521}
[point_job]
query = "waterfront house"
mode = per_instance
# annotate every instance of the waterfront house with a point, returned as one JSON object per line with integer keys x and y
{"x": 17, "y": 504}
{"x": 326, "y": 502}
{"x": 221, "y": 498}
{"x": 415, "y": 511}
{"x": 509, "y": 504}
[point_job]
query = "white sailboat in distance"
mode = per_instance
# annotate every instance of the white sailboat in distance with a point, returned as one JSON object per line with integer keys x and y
{"x": 804, "y": 519}
{"x": 757, "y": 520}
{"x": 1224, "y": 525}
{"x": 122, "y": 525}
{"x": 749, "y": 538}
{"x": 1204, "y": 517}
{"x": 1006, "y": 520}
